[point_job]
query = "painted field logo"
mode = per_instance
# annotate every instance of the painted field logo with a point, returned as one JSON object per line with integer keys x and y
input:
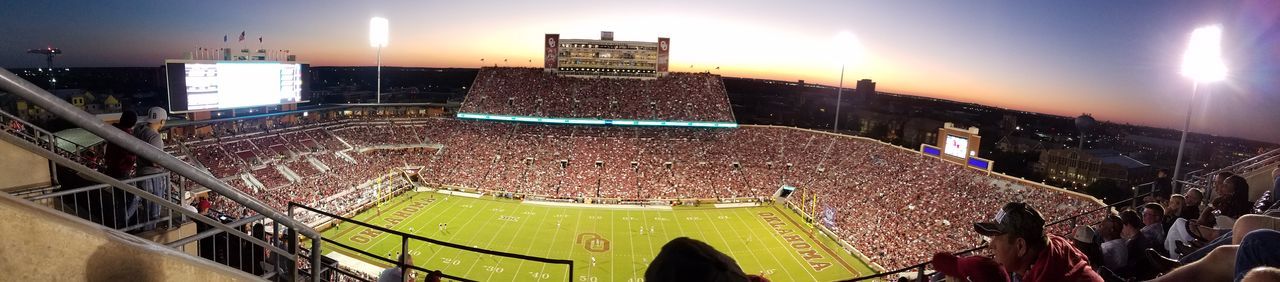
{"x": 593, "y": 242}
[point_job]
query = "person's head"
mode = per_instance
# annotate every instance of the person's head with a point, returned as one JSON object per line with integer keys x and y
{"x": 156, "y": 117}
{"x": 1083, "y": 235}
{"x": 1110, "y": 227}
{"x": 1131, "y": 223}
{"x": 434, "y": 276}
{"x": 1261, "y": 274}
{"x": 1195, "y": 196}
{"x": 1152, "y": 213}
{"x": 203, "y": 205}
{"x": 127, "y": 119}
{"x": 1017, "y": 236}
{"x": 1162, "y": 173}
{"x": 406, "y": 259}
{"x": 1176, "y": 202}
{"x": 1231, "y": 186}
{"x": 1221, "y": 176}
{"x": 685, "y": 259}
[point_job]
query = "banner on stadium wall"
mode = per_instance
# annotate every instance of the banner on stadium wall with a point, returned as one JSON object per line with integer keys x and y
{"x": 552, "y": 47}
{"x": 664, "y": 48}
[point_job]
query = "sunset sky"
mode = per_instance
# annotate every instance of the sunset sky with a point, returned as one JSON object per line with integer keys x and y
{"x": 1117, "y": 60}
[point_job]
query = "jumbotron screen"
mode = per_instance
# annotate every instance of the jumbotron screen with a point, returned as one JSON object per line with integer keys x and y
{"x": 956, "y": 146}
{"x": 221, "y": 85}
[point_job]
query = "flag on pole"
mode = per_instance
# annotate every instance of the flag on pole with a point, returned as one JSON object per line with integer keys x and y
{"x": 242, "y": 36}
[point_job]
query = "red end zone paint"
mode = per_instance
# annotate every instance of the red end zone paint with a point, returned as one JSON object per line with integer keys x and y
{"x": 367, "y": 235}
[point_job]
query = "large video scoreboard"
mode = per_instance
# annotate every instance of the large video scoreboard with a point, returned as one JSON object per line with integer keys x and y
{"x": 606, "y": 57}
{"x": 958, "y": 145}
{"x": 207, "y": 85}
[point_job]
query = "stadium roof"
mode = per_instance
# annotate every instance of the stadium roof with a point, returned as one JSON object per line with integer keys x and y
{"x": 68, "y": 139}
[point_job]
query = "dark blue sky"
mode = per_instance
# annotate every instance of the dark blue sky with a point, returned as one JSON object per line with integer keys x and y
{"x": 1117, "y": 60}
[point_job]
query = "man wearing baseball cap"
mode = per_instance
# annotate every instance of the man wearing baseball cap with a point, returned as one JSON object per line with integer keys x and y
{"x": 149, "y": 131}
{"x": 1020, "y": 245}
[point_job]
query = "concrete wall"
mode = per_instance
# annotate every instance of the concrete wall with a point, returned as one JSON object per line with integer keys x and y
{"x": 40, "y": 244}
{"x": 1259, "y": 181}
{"x": 21, "y": 169}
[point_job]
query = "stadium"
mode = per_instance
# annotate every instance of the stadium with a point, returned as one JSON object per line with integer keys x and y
{"x": 581, "y": 170}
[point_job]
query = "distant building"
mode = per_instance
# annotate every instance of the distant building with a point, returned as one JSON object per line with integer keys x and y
{"x": 866, "y": 88}
{"x": 1078, "y": 168}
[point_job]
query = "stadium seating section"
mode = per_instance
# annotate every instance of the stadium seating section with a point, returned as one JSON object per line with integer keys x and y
{"x": 532, "y": 92}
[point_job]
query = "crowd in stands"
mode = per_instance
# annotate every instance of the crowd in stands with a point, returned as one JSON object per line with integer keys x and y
{"x": 894, "y": 205}
{"x": 533, "y": 92}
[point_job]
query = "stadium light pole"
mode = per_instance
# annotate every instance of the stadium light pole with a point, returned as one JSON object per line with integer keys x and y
{"x": 848, "y": 52}
{"x": 378, "y": 29}
{"x": 1202, "y": 63}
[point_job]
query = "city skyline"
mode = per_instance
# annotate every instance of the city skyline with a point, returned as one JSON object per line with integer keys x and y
{"x": 1116, "y": 61}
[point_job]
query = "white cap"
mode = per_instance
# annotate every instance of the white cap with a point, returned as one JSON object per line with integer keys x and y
{"x": 157, "y": 114}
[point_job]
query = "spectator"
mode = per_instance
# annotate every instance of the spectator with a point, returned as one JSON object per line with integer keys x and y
{"x": 1191, "y": 209}
{"x": 1136, "y": 266}
{"x": 434, "y": 276}
{"x": 1085, "y": 239}
{"x": 1114, "y": 250}
{"x": 685, "y": 259}
{"x": 1230, "y": 203}
{"x": 1275, "y": 182}
{"x": 1153, "y": 221}
{"x": 396, "y": 273}
{"x": 1262, "y": 274}
{"x": 120, "y": 162}
{"x": 119, "y": 165}
{"x": 1161, "y": 188}
{"x": 1020, "y": 245}
{"x": 149, "y": 131}
{"x": 1173, "y": 209}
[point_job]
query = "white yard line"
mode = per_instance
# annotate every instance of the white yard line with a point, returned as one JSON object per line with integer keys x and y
{"x": 504, "y": 225}
{"x": 528, "y": 250}
{"x": 433, "y": 255}
{"x": 572, "y": 244}
{"x": 771, "y": 254}
{"x": 750, "y": 250}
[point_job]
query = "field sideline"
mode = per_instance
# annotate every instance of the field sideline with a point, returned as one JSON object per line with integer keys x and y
{"x": 768, "y": 240}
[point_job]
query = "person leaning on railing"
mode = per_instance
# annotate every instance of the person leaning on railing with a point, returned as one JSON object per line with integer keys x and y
{"x": 148, "y": 131}
{"x": 119, "y": 165}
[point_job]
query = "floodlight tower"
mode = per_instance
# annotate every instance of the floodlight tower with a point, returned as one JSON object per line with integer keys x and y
{"x": 378, "y": 27}
{"x": 849, "y": 52}
{"x": 1202, "y": 63}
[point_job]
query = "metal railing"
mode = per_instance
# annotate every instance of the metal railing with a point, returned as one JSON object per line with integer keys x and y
{"x": 213, "y": 227}
{"x": 406, "y": 238}
{"x": 1201, "y": 177}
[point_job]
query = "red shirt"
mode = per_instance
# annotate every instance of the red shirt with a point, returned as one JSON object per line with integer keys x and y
{"x": 1060, "y": 261}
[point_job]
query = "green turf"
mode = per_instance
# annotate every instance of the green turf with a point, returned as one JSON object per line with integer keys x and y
{"x": 552, "y": 232}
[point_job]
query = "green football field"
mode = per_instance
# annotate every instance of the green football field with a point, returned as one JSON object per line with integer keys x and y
{"x": 769, "y": 240}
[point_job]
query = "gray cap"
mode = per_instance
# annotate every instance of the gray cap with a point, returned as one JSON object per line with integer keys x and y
{"x": 157, "y": 114}
{"x": 1016, "y": 218}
